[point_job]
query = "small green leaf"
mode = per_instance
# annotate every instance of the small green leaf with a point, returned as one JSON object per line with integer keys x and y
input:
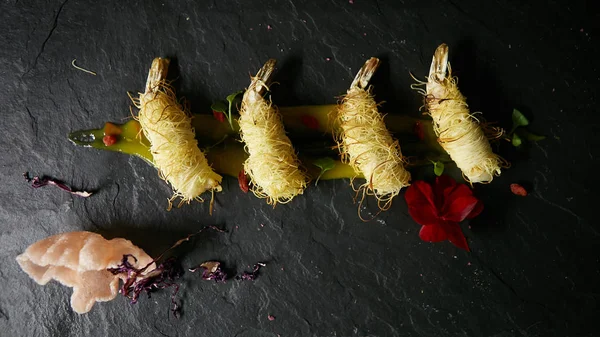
{"x": 231, "y": 99}
{"x": 518, "y": 119}
{"x": 219, "y": 106}
{"x": 233, "y": 96}
{"x": 438, "y": 167}
{"x": 325, "y": 164}
{"x": 516, "y": 140}
{"x": 532, "y": 137}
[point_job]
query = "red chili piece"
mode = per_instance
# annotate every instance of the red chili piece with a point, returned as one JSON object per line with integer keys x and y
{"x": 518, "y": 190}
{"x": 219, "y": 116}
{"x": 243, "y": 181}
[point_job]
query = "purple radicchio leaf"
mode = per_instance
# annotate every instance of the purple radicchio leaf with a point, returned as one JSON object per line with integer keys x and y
{"x": 37, "y": 182}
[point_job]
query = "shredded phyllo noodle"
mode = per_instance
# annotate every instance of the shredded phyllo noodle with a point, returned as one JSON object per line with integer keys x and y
{"x": 272, "y": 165}
{"x": 459, "y": 132}
{"x": 366, "y": 144}
{"x": 168, "y": 127}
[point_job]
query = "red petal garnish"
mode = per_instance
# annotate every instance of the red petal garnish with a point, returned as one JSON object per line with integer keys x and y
{"x": 419, "y": 192}
{"x": 440, "y": 208}
{"x": 433, "y": 233}
{"x": 458, "y": 209}
{"x": 424, "y": 214}
{"x": 310, "y": 122}
{"x": 109, "y": 140}
{"x": 444, "y": 186}
{"x": 420, "y": 206}
{"x": 219, "y": 116}
{"x": 456, "y": 236}
{"x": 518, "y": 190}
{"x": 418, "y": 129}
{"x": 243, "y": 181}
{"x": 476, "y": 210}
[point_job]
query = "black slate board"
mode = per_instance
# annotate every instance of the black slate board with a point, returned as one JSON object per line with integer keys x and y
{"x": 533, "y": 269}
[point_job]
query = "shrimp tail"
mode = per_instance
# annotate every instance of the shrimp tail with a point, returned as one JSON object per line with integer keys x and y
{"x": 439, "y": 64}
{"x": 363, "y": 77}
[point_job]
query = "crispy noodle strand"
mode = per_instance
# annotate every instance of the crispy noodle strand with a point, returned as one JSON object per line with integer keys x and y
{"x": 459, "y": 131}
{"x": 168, "y": 127}
{"x": 366, "y": 144}
{"x": 272, "y": 164}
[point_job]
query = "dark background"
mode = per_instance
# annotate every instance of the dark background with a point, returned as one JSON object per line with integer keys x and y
{"x": 533, "y": 269}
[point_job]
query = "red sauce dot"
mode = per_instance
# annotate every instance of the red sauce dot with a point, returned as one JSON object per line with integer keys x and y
{"x": 310, "y": 122}
{"x": 109, "y": 140}
{"x": 418, "y": 129}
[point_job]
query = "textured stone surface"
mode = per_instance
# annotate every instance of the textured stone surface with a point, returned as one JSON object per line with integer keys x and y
{"x": 533, "y": 270}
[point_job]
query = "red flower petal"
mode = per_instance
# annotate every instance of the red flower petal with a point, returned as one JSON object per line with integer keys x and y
{"x": 476, "y": 210}
{"x": 456, "y": 236}
{"x": 443, "y": 188}
{"x": 420, "y": 204}
{"x": 433, "y": 233}
{"x": 458, "y": 209}
{"x": 419, "y": 192}
{"x": 424, "y": 215}
{"x": 461, "y": 190}
{"x": 444, "y": 181}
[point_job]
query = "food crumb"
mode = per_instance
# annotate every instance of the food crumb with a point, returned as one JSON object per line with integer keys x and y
{"x": 327, "y": 59}
{"x": 269, "y": 27}
{"x": 468, "y": 263}
{"x": 519, "y": 190}
{"x": 271, "y": 317}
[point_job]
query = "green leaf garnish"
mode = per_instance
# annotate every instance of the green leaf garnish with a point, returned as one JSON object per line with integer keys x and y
{"x": 219, "y": 106}
{"x": 438, "y": 167}
{"x": 325, "y": 164}
{"x": 518, "y": 119}
{"x": 231, "y": 99}
{"x": 516, "y": 140}
{"x": 532, "y": 137}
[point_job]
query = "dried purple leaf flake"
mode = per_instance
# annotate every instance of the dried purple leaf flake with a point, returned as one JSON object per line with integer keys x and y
{"x": 163, "y": 276}
{"x": 251, "y": 276}
{"x": 37, "y": 182}
{"x": 211, "y": 270}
